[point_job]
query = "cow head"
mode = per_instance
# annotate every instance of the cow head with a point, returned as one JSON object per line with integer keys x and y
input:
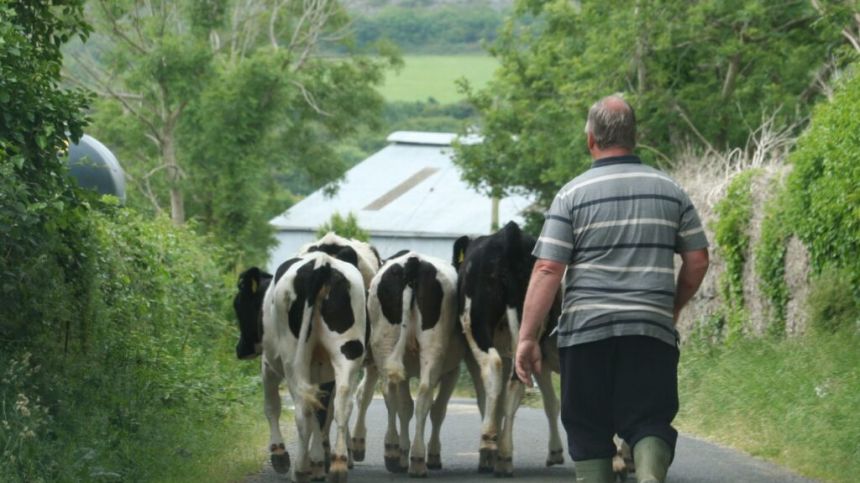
{"x": 248, "y": 305}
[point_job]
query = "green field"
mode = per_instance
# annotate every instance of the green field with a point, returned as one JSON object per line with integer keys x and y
{"x": 425, "y": 76}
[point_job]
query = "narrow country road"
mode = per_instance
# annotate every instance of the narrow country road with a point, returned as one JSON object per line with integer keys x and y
{"x": 696, "y": 461}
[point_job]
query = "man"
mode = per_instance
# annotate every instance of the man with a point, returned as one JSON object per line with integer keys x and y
{"x": 615, "y": 230}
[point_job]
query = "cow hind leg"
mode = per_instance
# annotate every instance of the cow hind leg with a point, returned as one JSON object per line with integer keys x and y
{"x": 304, "y": 425}
{"x": 430, "y": 370}
{"x": 513, "y": 396}
{"x": 552, "y": 408}
{"x": 272, "y": 407}
{"x": 363, "y": 397}
{"x": 447, "y": 384}
{"x": 392, "y": 439}
{"x": 405, "y": 410}
{"x": 345, "y": 372}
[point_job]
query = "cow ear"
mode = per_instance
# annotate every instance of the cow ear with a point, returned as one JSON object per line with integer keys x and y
{"x": 460, "y": 247}
{"x": 249, "y": 280}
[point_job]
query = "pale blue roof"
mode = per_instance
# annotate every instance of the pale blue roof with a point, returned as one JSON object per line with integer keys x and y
{"x": 409, "y": 188}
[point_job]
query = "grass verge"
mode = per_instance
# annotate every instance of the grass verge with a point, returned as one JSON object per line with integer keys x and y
{"x": 793, "y": 402}
{"x": 234, "y": 449}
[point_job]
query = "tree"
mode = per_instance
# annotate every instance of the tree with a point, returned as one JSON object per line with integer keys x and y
{"x": 39, "y": 206}
{"x": 211, "y": 101}
{"x": 698, "y": 73}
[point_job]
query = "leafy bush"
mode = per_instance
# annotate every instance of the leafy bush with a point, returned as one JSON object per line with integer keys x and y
{"x": 822, "y": 200}
{"x": 831, "y": 306}
{"x": 345, "y": 227}
{"x": 141, "y": 377}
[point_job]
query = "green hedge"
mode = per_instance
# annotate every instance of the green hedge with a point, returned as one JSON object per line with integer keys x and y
{"x": 127, "y": 372}
{"x": 823, "y": 198}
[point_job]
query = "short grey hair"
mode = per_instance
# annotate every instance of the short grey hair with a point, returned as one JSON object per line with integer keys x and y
{"x": 612, "y": 122}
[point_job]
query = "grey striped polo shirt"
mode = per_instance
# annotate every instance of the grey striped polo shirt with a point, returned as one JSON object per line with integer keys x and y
{"x": 617, "y": 227}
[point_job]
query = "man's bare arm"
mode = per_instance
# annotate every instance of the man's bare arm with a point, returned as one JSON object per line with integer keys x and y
{"x": 694, "y": 266}
{"x": 543, "y": 287}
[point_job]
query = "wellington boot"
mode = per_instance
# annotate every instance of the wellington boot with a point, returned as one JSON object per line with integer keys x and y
{"x": 595, "y": 471}
{"x": 652, "y": 456}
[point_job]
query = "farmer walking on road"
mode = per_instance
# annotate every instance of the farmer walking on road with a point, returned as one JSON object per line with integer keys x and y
{"x": 615, "y": 230}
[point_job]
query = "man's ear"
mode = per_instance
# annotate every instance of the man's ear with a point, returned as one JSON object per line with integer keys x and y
{"x": 591, "y": 142}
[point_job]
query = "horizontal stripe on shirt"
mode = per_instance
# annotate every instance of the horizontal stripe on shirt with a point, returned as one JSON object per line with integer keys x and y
{"x": 625, "y": 245}
{"x": 595, "y": 266}
{"x": 635, "y": 221}
{"x": 622, "y": 290}
{"x": 619, "y": 308}
{"x": 553, "y": 241}
{"x": 612, "y": 177}
{"x": 611, "y": 199}
{"x": 559, "y": 218}
{"x": 693, "y": 231}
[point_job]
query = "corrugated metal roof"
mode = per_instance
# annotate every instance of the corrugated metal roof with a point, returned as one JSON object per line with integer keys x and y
{"x": 436, "y": 203}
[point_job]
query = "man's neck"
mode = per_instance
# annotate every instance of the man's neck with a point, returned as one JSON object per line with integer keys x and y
{"x": 610, "y": 153}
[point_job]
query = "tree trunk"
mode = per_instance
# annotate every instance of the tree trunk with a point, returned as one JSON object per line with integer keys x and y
{"x": 168, "y": 155}
{"x": 641, "y": 49}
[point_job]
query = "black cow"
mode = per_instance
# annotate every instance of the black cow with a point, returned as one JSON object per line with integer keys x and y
{"x": 494, "y": 273}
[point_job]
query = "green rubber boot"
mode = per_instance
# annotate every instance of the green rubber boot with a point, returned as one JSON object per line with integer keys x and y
{"x": 594, "y": 471}
{"x": 652, "y": 457}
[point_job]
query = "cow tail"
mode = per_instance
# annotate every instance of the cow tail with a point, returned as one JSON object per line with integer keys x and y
{"x": 314, "y": 286}
{"x": 394, "y": 368}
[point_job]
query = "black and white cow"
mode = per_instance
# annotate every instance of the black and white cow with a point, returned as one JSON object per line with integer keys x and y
{"x": 368, "y": 262}
{"x": 253, "y": 283}
{"x": 313, "y": 315}
{"x": 412, "y": 308}
{"x": 494, "y": 273}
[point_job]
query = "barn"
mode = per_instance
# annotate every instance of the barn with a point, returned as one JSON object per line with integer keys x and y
{"x": 408, "y": 195}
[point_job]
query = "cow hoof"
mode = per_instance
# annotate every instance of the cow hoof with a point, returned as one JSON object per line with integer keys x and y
{"x": 417, "y": 468}
{"x": 504, "y": 467}
{"x": 621, "y": 476}
{"x": 358, "y": 449}
{"x": 337, "y": 477}
{"x": 302, "y": 477}
{"x": 487, "y": 461}
{"x": 392, "y": 464}
{"x": 434, "y": 461}
{"x": 556, "y": 457}
{"x": 280, "y": 459}
{"x": 318, "y": 471}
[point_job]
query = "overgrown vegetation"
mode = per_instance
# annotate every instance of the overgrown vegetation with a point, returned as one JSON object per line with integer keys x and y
{"x": 114, "y": 329}
{"x": 732, "y": 236}
{"x": 770, "y": 261}
{"x": 822, "y": 198}
{"x": 790, "y": 401}
{"x": 345, "y": 226}
{"x": 703, "y": 73}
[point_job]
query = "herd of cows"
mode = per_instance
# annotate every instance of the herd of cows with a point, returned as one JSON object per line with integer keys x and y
{"x": 337, "y": 308}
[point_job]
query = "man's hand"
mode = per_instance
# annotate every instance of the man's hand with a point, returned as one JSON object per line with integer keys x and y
{"x": 528, "y": 360}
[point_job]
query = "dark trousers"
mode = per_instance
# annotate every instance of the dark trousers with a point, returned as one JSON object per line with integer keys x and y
{"x": 625, "y": 385}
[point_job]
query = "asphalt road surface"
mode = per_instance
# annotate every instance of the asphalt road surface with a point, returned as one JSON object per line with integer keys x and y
{"x": 695, "y": 461}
